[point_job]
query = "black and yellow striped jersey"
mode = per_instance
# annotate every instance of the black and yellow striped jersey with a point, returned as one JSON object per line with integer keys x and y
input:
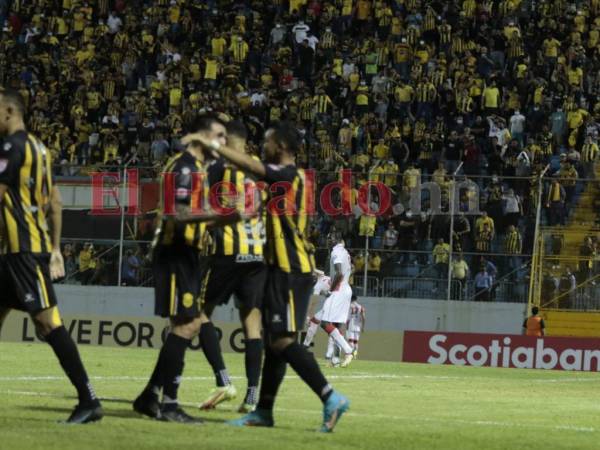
{"x": 183, "y": 181}
{"x": 513, "y": 242}
{"x": 288, "y": 247}
{"x": 26, "y": 169}
{"x": 246, "y": 237}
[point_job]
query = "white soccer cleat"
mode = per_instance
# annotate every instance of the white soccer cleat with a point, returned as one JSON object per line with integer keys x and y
{"x": 219, "y": 395}
{"x": 347, "y": 360}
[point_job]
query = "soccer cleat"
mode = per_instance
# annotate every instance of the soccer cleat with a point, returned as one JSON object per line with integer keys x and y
{"x": 85, "y": 414}
{"x": 246, "y": 408}
{"x": 147, "y": 404}
{"x": 355, "y": 354}
{"x": 219, "y": 395}
{"x": 257, "y": 418}
{"x": 178, "y": 415}
{"x": 333, "y": 409}
{"x": 347, "y": 360}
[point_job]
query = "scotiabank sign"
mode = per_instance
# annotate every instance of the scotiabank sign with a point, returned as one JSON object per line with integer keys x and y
{"x": 500, "y": 350}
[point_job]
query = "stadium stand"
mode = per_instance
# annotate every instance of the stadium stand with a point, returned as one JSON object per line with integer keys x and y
{"x": 398, "y": 91}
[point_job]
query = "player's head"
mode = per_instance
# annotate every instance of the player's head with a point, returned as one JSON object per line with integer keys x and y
{"x": 211, "y": 126}
{"x": 12, "y": 109}
{"x": 281, "y": 139}
{"x": 236, "y": 135}
{"x": 535, "y": 310}
{"x": 353, "y": 299}
{"x": 335, "y": 239}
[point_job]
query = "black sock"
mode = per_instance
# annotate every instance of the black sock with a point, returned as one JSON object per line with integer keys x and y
{"x": 305, "y": 365}
{"x": 156, "y": 379}
{"x": 172, "y": 367}
{"x": 254, "y": 349}
{"x": 272, "y": 376}
{"x": 212, "y": 350}
{"x": 68, "y": 356}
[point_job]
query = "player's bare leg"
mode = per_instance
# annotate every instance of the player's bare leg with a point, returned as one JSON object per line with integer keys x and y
{"x": 49, "y": 325}
{"x": 252, "y": 322}
{"x": 209, "y": 339}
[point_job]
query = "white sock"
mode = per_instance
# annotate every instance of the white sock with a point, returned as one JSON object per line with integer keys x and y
{"x": 310, "y": 333}
{"x": 340, "y": 341}
{"x": 330, "y": 348}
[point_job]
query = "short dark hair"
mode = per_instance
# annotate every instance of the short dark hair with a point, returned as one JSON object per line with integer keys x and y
{"x": 237, "y": 128}
{"x": 203, "y": 122}
{"x": 14, "y": 98}
{"x": 535, "y": 310}
{"x": 286, "y": 134}
{"x": 353, "y": 298}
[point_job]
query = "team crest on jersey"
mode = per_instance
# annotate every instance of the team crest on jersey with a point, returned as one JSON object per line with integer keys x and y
{"x": 188, "y": 300}
{"x": 3, "y": 165}
{"x": 7, "y": 146}
{"x": 29, "y": 298}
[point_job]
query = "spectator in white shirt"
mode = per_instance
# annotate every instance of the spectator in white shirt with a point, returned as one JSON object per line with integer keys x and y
{"x": 312, "y": 41}
{"x": 517, "y": 126}
{"x": 114, "y": 23}
{"x": 300, "y": 31}
{"x": 390, "y": 237}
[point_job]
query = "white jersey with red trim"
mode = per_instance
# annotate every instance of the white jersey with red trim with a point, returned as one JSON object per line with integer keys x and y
{"x": 355, "y": 317}
{"x": 339, "y": 255}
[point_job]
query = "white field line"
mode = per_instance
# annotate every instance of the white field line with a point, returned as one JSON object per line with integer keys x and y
{"x": 356, "y": 376}
{"x": 413, "y": 419}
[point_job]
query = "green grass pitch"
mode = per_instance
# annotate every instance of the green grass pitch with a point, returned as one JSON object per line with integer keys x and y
{"x": 394, "y": 405}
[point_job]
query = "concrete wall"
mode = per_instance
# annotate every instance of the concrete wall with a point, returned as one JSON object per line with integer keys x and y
{"x": 123, "y": 317}
{"x": 383, "y": 314}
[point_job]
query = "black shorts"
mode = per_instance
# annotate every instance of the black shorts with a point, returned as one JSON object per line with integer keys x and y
{"x": 178, "y": 273}
{"x": 225, "y": 277}
{"x": 25, "y": 282}
{"x": 286, "y": 300}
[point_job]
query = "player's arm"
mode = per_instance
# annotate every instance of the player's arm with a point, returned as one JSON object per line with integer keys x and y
{"x": 363, "y": 318}
{"x": 184, "y": 214}
{"x": 338, "y": 277}
{"x": 242, "y": 160}
{"x": 543, "y": 327}
{"x": 57, "y": 265}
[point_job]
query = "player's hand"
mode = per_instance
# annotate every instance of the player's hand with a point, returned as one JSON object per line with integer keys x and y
{"x": 57, "y": 265}
{"x": 196, "y": 138}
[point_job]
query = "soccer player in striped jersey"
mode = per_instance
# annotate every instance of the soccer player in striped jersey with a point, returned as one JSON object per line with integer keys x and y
{"x": 32, "y": 213}
{"x": 178, "y": 267}
{"x": 289, "y": 283}
{"x": 237, "y": 267}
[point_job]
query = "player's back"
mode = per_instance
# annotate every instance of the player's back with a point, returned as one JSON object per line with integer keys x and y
{"x": 245, "y": 239}
{"x": 339, "y": 255}
{"x": 183, "y": 182}
{"x": 26, "y": 168}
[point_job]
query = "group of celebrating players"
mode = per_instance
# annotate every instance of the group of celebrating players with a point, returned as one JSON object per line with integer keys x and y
{"x": 201, "y": 257}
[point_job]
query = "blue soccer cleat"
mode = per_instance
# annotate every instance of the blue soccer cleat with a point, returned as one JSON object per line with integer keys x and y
{"x": 333, "y": 409}
{"x": 257, "y": 418}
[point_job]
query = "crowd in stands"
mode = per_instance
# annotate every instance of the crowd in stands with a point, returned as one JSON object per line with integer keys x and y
{"x": 398, "y": 91}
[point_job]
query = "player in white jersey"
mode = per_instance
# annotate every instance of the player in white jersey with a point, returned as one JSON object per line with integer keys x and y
{"x": 334, "y": 313}
{"x": 356, "y": 324}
